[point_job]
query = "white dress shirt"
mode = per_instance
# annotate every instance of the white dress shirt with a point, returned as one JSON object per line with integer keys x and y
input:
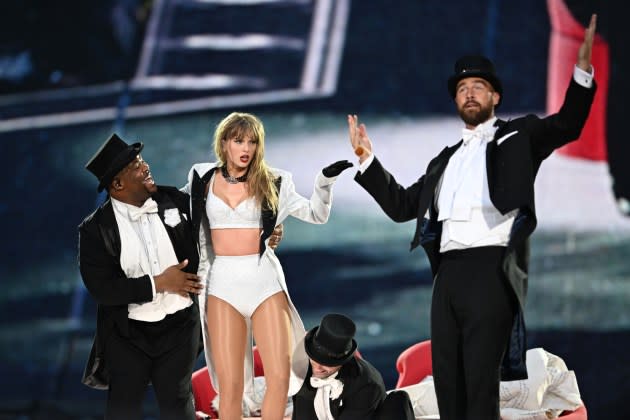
{"x": 328, "y": 389}
{"x": 469, "y": 219}
{"x": 146, "y": 249}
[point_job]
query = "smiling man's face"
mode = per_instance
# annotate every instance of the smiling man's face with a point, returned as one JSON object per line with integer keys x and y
{"x": 134, "y": 184}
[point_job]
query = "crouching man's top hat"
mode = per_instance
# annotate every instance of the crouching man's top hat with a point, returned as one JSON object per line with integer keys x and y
{"x": 474, "y": 66}
{"x": 332, "y": 342}
{"x": 111, "y": 158}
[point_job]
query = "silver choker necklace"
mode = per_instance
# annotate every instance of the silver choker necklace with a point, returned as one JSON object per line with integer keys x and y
{"x": 230, "y": 179}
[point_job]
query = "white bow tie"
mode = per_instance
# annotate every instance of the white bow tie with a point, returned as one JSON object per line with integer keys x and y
{"x": 327, "y": 389}
{"x": 478, "y": 133}
{"x": 149, "y": 206}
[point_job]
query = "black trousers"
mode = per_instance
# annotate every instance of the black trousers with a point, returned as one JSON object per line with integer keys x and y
{"x": 162, "y": 353}
{"x": 471, "y": 317}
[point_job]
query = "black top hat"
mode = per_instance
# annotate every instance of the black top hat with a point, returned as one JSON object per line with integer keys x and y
{"x": 474, "y": 66}
{"x": 331, "y": 343}
{"x": 111, "y": 158}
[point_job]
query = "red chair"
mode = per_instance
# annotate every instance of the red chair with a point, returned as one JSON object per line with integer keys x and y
{"x": 414, "y": 364}
{"x": 204, "y": 392}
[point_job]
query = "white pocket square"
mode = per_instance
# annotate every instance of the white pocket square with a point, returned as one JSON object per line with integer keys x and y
{"x": 171, "y": 217}
{"x": 504, "y": 138}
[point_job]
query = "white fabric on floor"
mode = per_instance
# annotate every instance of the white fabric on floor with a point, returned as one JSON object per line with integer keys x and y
{"x": 550, "y": 389}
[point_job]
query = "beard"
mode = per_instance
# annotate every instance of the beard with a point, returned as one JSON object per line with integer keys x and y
{"x": 477, "y": 116}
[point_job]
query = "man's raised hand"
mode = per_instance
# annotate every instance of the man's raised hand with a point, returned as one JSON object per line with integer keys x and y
{"x": 359, "y": 139}
{"x": 586, "y": 49}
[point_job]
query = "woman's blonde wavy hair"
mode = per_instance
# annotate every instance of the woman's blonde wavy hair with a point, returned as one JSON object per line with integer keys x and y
{"x": 260, "y": 180}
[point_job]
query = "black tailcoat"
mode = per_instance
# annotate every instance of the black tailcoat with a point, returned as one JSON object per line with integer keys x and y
{"x": 363, "y": 392}
{"x": 512, "y": 162}
{"x": 99, "y": 263}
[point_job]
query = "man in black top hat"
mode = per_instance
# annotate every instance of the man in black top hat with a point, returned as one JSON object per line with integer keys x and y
{"x": 341, "y": 386}
{"x": 138, "y": 259}
{"x": 474, "y": 211}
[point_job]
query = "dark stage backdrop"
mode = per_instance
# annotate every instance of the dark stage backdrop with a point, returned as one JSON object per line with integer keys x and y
{"x": 393, "y": 70}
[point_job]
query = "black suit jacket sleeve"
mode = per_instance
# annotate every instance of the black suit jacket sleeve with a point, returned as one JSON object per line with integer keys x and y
{"x": 102, "y": 274}
{"x": 398, "y": 202}
{"x": 566, "y": 125}
{"x": 364, "y": 402}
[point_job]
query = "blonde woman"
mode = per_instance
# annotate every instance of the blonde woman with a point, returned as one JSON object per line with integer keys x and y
{"x": 235, "y": 204}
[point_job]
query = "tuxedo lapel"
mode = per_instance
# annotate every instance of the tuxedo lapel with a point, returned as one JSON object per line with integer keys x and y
{"x": 108, "y": 228}
{"x": 177, "y": 231}
{"x": 198, "y": 199}
{"x": 434, "y": 173}
{"x": 268, "y": 220}
{"x": 490, "y": 149}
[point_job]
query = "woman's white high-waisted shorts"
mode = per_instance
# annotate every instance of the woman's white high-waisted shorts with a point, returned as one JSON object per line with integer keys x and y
{"x": 243, "y": 281}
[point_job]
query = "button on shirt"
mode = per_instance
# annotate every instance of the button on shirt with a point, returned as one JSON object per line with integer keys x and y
{"x": 146, "y": 249}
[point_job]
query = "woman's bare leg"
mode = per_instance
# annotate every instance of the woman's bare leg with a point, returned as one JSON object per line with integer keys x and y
{"x": 227, "y": 330}
{"x": 271, "y": 323}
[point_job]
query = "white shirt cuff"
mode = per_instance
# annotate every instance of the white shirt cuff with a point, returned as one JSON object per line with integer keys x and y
{"x": 152, "y": 285}
{"x": 366, "y": 163}
{"x": 583, "y": 78}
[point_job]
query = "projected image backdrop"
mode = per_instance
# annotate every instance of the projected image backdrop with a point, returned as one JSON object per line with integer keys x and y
{"x": 301, "y": 67}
